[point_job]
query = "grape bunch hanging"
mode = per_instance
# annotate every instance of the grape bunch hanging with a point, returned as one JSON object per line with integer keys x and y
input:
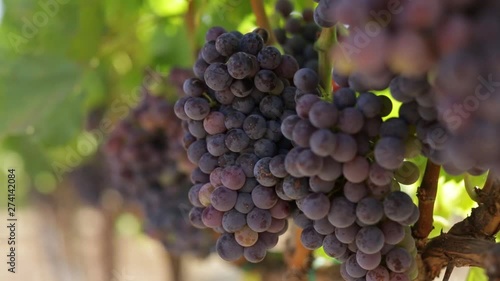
{"x": 276, "y": 148}
{"x": 145, "y": 156}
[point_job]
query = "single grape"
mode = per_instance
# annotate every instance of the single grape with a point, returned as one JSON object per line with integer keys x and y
{"x": 196, "y": 108}
{"x": 393, "y": 232}
{"x": 246, "y": 237}
{"x": 233, "y": 221}
{"x": 398, "y": 260}
{"x": 369, "y": 211}
{"x": 217, "y": 76}
{"x": 323, "y": 115}
{"x": 263, "y": 174}
{"x": 311, "y": 239}
{"x": 368, "y": 261}
{"x": 264, "y": 197}
{"x": 353, "y": 268}
{"x": 370, "y": 239}
{"x": 342, "y": 212}
{"x": 398, "y": 206}
{"x": 347, "y": 235}
{"x": 323, "y": 142}
{"x": 223, "y": 199}
{"x": 315, "y": 206}
{"x": 333, "y": 247}
{"x": 227, "y": 248}
{"x": 389, "y": 152}
{"x": 354, "y": 192}
{"x": 259, "y": 220}
{"x": 244, "y": 203}
{"x": 356, "y": 170}
{"x": 323, "y": 226}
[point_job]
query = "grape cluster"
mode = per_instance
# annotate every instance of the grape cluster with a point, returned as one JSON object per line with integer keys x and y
{"x": 233, "y": 111}
{"x": 442, "y": 56}
{"x": 148, "y": 167}
{"x": 298, "y": 34}
{"x": 344, "y": 174}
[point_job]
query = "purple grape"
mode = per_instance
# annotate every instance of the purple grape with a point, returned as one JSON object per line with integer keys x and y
{"x": 354, "y": 192}
{"x": 281, "y": 209}
{"x": 398, "y": 260}
{"x": 369, "y": 211}
{"x": 311, "y": 239}
{"x": 196, "y": 108}
{"x": 323, "y": 226}
{"x": 356, "y": 170}
{"x": 233, "y": 221}
{"x": 398, "y": 206}
{"x": 318, "y": 185}
{"x": 370, "y": 239}
{"x": 259, "y": 220}
{"x": 223, "y": 199}
{"x": 217, "y": 77}
{"x": 227, "y": 248}
{"x": 323, "y": 142}
{"x": 333, "y": 247}
{"x": 347, "y": 235}
{"x": 353, "y": 268}
{"x": 306, "y": 79}
{"x": 264, "y": 197}
{"x": 263, "y": 174}
{"x": 233, "y": 177}
{"x": 323, "y": 115}
{"x": 393, "y": 232}
{"x": 342, "y": 212}
{"x": 389, "y": 152}
{"x": 237, "y": 140}
{"x": 244, "y": 203}
{"x": 346, "y": 148}
{"x": 211, "y": 217}
{"x": 315, "y": 206}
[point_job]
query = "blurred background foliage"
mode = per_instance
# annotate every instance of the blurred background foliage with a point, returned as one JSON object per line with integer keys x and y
{"x": 64, "y": 61}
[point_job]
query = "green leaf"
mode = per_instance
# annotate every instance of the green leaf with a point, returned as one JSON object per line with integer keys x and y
{"x": 476, "y": 274}
{"x": 35, "y": 159}
{"x": 40, "y": 93}
{"x": 86, "y": 42}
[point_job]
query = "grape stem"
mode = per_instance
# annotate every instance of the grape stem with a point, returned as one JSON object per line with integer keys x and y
{"x": 426, "y": 197}
{"x": 489, "y": 182}
{"x": 262, "y": 19}
{"x": 449, "y": 270}
{"x": 470, "y": 188}
{"x": 326, "y": 40}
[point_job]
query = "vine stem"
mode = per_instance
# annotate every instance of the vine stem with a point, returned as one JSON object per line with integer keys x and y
{"x": 191, "y": 25}
{"x": 467, "y": 241}
{"x": 426, "y": 197}
{"x": 297, "y": 256}
{"x": 176, "y": 267}
{"x": 262, "y": 19}
{"x": 326, "y": 40}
